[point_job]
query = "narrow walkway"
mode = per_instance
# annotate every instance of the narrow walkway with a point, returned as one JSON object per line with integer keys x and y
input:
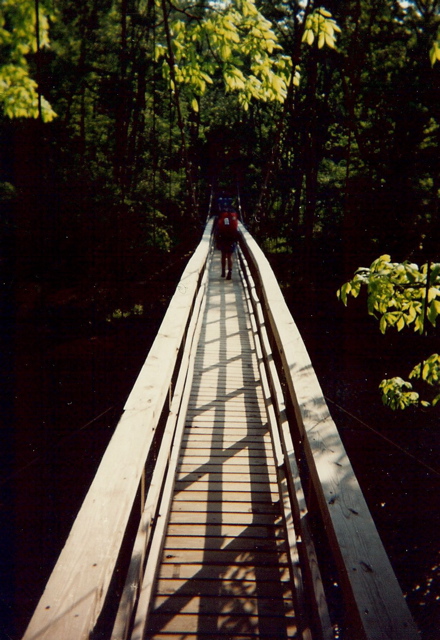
{"x": 224, "y": 570}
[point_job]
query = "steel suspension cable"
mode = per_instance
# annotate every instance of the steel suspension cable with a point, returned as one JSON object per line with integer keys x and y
{"x": 381, "y": 435}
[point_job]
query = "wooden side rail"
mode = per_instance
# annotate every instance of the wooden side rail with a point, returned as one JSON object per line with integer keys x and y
{"x": 310, "y": 601}
{"x": 373, "y": 606}
{"x": 79, "y": 584}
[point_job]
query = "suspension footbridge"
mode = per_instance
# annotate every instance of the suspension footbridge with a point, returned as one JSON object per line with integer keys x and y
{"x": 225, "y": 506}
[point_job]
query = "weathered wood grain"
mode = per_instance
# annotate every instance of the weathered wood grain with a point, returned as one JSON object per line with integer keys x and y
{"x": 236, "y": 573}
{"x": 225, "y": 486}
{"x": 219, "y": 444}
{"x": 225, "y": 519}
{"x": 224, "y": 506}
{"x": 224, "y": 557}
{"x": 232, "y": 476}
{"x": 226, "y": 530}
{"x": 224, "y": 626}
{"x": 224, "y": 604}
{"x": 218, "y": 543}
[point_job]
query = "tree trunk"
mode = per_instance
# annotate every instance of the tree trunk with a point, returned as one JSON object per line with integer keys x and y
{"x": 121, "y": 115}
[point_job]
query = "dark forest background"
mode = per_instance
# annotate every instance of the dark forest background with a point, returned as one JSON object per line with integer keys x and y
{"x": 102, "y": 205}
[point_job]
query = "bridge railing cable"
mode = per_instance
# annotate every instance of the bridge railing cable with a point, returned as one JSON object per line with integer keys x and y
{"x": 310, "y": 600}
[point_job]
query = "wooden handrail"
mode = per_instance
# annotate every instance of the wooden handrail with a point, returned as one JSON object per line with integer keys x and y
{"x": 77, "y": 588}
{"x": 310, "y": 601}
{"x": 374, "y": 606}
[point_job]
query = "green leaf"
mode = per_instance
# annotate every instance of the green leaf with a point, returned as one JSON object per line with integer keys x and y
{"x": 330, "y": 41}
{"x": 434, "y": 53}
{"x": 343, "y": 292}
{"x": 225, "y": 52}
{"x": 433, "y": 312}
{"x": 419, "y": 325}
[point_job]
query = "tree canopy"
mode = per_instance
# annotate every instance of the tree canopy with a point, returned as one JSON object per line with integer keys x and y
{"x": 324, "y": 117}
{"x": 19, "y": 24}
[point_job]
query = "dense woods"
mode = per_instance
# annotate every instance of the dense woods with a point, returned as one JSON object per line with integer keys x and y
{"x": 121, "y": 120}
{"x": 156, "y": 103}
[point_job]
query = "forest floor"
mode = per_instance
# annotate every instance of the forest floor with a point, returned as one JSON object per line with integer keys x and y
{"x": 73, "y": 361}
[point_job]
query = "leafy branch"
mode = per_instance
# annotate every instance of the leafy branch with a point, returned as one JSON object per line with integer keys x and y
{"x": 399, "y": 394}
{"x": 401, "y": 294}
{"x": 18, "y": 91}
{"x": 321, "y": 27}
{"x": 241, "y": 43}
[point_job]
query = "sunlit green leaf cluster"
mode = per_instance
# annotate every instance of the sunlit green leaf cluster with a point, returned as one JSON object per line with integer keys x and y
{"x": 434, "y": 52}
{"x": 18, "y": 94}
{"x": 18, "y": 91}
{"x": 428, "y": 370}
{"x": 321, "y": 27}
{"x": 235, "y": 38}
{"x": 399, "y": 292}
{"x": 402, "y": 294}
{"x": 399, "y": 394}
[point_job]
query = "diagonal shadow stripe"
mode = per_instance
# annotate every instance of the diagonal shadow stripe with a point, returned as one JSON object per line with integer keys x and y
{"x": 226, "y": 610}
{"x": 271, "y": 589}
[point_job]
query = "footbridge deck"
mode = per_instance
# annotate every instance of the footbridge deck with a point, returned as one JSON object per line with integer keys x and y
{"x": 225, "y": 506}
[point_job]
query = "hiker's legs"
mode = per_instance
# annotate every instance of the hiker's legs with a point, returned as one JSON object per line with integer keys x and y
{"x": 229, "y": 256}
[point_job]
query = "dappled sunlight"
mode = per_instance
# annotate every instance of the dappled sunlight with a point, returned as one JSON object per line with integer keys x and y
{"x": 224, "y": 570}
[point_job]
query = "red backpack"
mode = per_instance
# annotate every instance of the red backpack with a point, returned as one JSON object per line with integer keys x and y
{"x": 227, "y": 225}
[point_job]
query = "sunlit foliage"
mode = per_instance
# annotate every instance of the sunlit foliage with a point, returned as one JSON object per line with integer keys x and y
{"x": 401, "y": 295}
{"x": 232, "y": 38}
{"x": 18, "y": 91}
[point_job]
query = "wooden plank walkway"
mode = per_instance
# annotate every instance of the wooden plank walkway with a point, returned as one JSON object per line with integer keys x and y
{"x": 224, "y": 569}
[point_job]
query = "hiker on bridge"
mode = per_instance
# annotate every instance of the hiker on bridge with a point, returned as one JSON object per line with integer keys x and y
{"x": 226, "y": 233}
